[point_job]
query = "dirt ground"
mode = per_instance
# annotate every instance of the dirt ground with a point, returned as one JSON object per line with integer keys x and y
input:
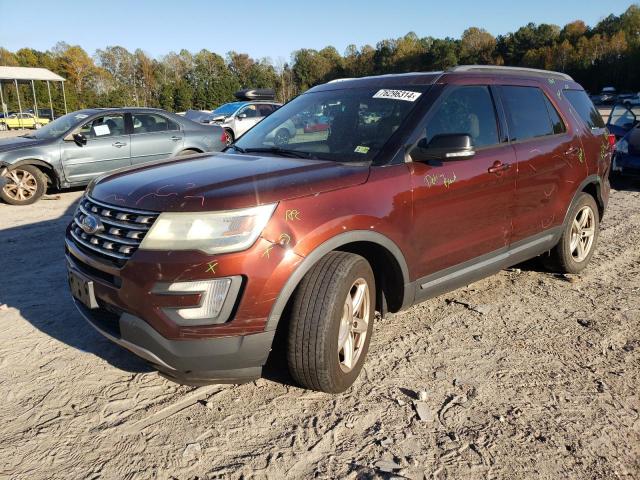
{"x": 522, "y": 375}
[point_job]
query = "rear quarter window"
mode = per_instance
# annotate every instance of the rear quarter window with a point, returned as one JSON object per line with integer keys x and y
{"x": 584, "y": 107}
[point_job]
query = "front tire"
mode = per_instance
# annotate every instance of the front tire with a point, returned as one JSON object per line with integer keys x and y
{"x": 25, "y": 185}
{"x": 331, "y": 323}
{"x": 579, "y": 238}
{"x": 281, "y": 137}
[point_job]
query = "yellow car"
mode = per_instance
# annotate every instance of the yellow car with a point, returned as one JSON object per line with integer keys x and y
{"x": 22, "y": 120}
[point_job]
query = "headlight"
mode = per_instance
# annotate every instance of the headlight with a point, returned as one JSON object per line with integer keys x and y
{"x": 209, "y": 232}
{"x": 622, "y": 146}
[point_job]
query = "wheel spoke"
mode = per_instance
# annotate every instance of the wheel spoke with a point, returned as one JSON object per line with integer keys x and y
{"x": 580, "y": 248}
{"x": 575, "y": 238}
{"x": 357, "y": 299}
{"x": 576, "y": 226}
{"x": 348, "y": 351}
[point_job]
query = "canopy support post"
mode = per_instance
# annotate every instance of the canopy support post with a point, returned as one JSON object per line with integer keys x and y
{"x": 19, "y": 104}
{"x": 53, "y": 115}
{"x": 4, "y": 109}
{"x": 35, "y": 100}
{"x": 64, "y": 97}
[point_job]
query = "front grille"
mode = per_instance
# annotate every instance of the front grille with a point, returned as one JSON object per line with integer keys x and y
{"x": 121, "y": 233}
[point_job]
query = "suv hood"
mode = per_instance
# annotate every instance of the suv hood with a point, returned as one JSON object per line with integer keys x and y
{"x": 223, "y": 182}
{"x": 14, "y": 143}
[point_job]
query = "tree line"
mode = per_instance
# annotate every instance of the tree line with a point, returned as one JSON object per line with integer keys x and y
{"x": 596, "y": 56}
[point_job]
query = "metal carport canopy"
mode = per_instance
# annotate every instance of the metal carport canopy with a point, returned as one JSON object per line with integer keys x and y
{"x": 30, "y": 74}
{"x": 27, "y": 73}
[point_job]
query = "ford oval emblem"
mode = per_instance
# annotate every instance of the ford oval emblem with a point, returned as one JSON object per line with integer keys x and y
{"x": 91, "y": 224}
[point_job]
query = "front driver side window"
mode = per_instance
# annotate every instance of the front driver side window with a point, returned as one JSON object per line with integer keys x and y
{"x": 466, "y": 110}
{"x": 106, "y": 126}
{"x": 250, "y": 111}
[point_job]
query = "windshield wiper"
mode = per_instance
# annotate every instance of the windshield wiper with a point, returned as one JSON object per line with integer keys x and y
{"x": 28, "y": 135}
{"x": 277, "y": 150}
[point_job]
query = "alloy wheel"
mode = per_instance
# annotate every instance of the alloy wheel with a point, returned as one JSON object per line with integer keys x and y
{"x": 582, "y": 234}
{"x": 354, "y": 325}
{"x": 281, "y": 138}
{"x": 21, "y": 185}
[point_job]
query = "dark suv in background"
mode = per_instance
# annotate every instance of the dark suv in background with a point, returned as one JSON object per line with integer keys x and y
{"x": 421, "y": 183}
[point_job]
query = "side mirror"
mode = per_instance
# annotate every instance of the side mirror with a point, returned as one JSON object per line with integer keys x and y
{"x": 80, "y": 139}
{"x": 444, "y": 147}
{"x": 242, "y": 115}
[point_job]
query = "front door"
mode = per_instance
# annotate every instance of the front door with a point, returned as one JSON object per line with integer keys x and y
{"x": 107, "y": 148}
{"x": 246, "y": 118}
{"x": 154, "y": 137}
{"x": 461, "y": 208}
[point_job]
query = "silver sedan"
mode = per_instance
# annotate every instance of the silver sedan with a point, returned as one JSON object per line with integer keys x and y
{"x": 77, "y": 147}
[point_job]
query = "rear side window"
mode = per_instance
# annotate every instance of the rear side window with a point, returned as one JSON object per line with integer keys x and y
{"x": 583, "y": 105}
{"x": 530, "y": 114}
{"x": 147, "y": 122}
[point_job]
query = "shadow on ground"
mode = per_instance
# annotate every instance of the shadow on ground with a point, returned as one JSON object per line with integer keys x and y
{"x": 629, "y": 184}
{"x": 33, "y": 280}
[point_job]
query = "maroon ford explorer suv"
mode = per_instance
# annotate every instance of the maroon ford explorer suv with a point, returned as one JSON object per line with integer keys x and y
{"x": 421, "y": 183}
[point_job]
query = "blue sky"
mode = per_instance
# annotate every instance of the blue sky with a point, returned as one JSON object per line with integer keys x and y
{"x": 270, "y": 29}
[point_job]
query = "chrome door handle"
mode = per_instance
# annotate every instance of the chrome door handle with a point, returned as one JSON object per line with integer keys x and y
{"x": 499, "y": 167}
{"x": 119, "y": 144}
{"x": 571, "y": 150}
{"x": 175, "y": 139}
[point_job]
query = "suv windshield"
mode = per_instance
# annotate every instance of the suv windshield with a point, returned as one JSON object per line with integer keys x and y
{"x": 59, "y": 126}
{"x": 228, "y": 108}
{"x": 341, "y": 125}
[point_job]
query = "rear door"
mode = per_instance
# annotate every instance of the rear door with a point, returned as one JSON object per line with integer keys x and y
{"x": 461, "y": 208}
{"x": 154, "y": 137}
{"x": 107, "y": 148}
{"x": 550, "y": 159}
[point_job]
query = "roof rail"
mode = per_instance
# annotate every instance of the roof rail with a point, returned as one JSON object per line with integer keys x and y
{"x": 513, "y": 70}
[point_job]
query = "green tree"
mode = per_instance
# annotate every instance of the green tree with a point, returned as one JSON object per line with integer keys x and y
{"x": 477, "y": 46}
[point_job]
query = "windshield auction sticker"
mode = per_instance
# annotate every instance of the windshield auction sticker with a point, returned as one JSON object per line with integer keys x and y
{"x": 406, "y": 95}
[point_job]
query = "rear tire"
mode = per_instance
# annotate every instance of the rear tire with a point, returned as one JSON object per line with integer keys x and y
{"x": 229, "y": 138}
{"x": 331, "y": 323}
{"x": 25, "y": 185}
{"x": 3, "y": 127}
{"x": 579, "y": 238}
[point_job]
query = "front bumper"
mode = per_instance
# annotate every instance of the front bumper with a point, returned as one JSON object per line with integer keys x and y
{"x": 193, "y": 362}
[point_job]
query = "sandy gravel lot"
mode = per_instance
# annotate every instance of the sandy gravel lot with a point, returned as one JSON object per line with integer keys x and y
{"x": 522, "y": 375}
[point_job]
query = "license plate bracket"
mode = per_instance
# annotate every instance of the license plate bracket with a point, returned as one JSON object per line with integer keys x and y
{"x": 82, "y": 289}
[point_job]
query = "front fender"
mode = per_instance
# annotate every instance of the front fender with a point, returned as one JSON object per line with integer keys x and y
{"x": 319, "y": 251}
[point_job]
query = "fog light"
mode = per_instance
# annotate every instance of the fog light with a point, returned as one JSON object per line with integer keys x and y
{"x": 212, "y": 301}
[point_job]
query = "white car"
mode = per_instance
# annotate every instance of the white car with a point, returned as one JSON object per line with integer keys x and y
{"x": 238, "y": 117}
